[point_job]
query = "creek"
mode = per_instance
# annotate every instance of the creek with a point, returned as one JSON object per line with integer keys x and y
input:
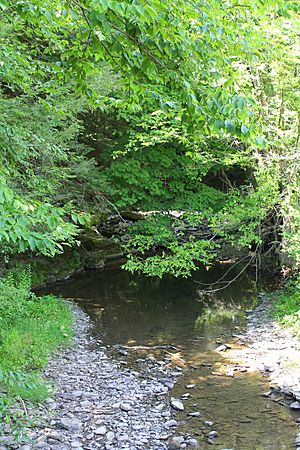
{"x": 159, "y": 318}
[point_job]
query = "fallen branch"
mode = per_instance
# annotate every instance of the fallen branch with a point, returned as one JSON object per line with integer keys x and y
{"x": 149, "y": 347}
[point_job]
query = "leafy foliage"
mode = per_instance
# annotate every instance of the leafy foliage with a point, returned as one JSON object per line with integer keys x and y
{"x": 287, "y": 305}
{"x": 31, "y": 327}
{"x": 200, "y": 88}
{"x": 155, "y": 234}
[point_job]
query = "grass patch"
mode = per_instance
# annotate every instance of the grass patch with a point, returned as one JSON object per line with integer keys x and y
{"x": 31, "y": 327}
{"x": 287, "y": 306}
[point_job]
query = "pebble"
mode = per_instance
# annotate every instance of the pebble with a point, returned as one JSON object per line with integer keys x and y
{"x": 195, "y": 414}
{"x": 295, "y": 405}
{"x": 125, "y": 407}
{"x": 171, "y": 423}
{"x": 101, "y": 430}
{"x": 212, "y": 434}
{"x": 110, "y": 436}
{"x": 101, "y": 404}
{"x": 177, "y": 404}
{"x": 222, "y": 348}
{"x": 175, "y": 443}
{"x": 193, "y": 442}
{"x": 208, "y": 423}
{"x": 71, "y": 424}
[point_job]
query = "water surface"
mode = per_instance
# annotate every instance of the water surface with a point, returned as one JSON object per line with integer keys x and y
{"x": 138, "y": 311}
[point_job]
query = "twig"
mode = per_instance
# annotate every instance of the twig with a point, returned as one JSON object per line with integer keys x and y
{"x": 226, "y": 273}
{"x": 151, "y": 347}
{"x": 210, "y": 291}
{"x": 24, "y": 406}
{"x": 114, "y": 206}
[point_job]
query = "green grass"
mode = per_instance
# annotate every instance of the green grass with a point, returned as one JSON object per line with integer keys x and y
{"x": 31, "y": 327}
{"x": 287, "y": 306}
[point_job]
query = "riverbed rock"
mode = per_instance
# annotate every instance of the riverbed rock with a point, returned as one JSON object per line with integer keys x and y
{"x": 125, "y": 407}
{"x": 222, "y": 348}
{"x": 110, "y": 436}
{"x": 177, "y": 404}
{"x": 192, "y": 443}
{"x": 100, "y": 404}
{"x": 101, "y": 430}
{"x": 295, "y": 405}
{"x": 175, "y": 443}
{"x": 195, "y": 414}
{"x": 208, "y": 423}
{"x": 212, "y": 434}
{"x": 71, "y": 424}
{"x": 168, "y": 383}
{"x": 171, "y": 423}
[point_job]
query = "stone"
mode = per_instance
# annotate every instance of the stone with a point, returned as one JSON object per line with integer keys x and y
{"x": 160, "y": 407}
{"x": 110, "y": 436}
{"x": 208, "y": 423}
{"x": 195, "y": 414}
{"x": 269, "y": 367}
{"x": 42, "y": 445}
{"x": 168, "y": 383}
{"x": 295, "y": 405}
{"x": 175, "y": 443}
{"x": 190, "y": 386}
{"x": 125, "y": 407}
{"x": 222, "y": 348}
{"x": 71, "y": 424}
{"x": 171, "y": 423}
{"x": 76, "y": 444}
{"x": 101, "y": 430}
{"x": 193, "y": 443}
{"x": 53, "y": 434}
{"x": 296, "y": 394}
{"x": 123, "y": 352}
{"x": 212, "y": 434}
{"x": 177, "y": 404}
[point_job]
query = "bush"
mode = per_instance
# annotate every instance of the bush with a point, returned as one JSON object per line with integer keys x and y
{"x": 31, "y": 327}
{"x": 287, "y": 306}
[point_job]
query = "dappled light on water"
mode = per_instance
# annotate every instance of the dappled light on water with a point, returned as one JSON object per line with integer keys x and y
{"x": 167, "y": 319}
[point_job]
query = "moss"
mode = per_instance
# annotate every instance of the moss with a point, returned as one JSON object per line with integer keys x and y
{"x": 61, "y": 267}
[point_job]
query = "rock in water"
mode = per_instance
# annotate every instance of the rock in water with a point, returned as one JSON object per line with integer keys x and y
{"x": 175, "y": 443}
{"x": 222, "y": 348}
{"x": 212, "y": 434}
{"x": 295, "y": 405}
{"x": 177, "y": 404}
{"x": 193, "y": 443}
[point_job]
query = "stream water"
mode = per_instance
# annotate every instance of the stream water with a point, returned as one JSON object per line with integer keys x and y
{"x": 138, "y": 311}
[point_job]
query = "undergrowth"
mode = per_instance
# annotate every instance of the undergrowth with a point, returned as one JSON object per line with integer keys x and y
{"x": 287, "y": 306}
{"x": 31, "y": 327}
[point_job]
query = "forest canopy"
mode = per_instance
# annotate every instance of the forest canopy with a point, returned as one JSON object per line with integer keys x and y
{"x": 138, "y": 104}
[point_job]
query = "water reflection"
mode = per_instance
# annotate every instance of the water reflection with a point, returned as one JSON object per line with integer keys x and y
{"x": 140, "y": 311}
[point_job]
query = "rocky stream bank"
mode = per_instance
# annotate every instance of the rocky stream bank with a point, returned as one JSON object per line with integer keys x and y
{"x": 99, "y": 403}
{"x": 273, "y": 351}
{"x": 107, "y": 402}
